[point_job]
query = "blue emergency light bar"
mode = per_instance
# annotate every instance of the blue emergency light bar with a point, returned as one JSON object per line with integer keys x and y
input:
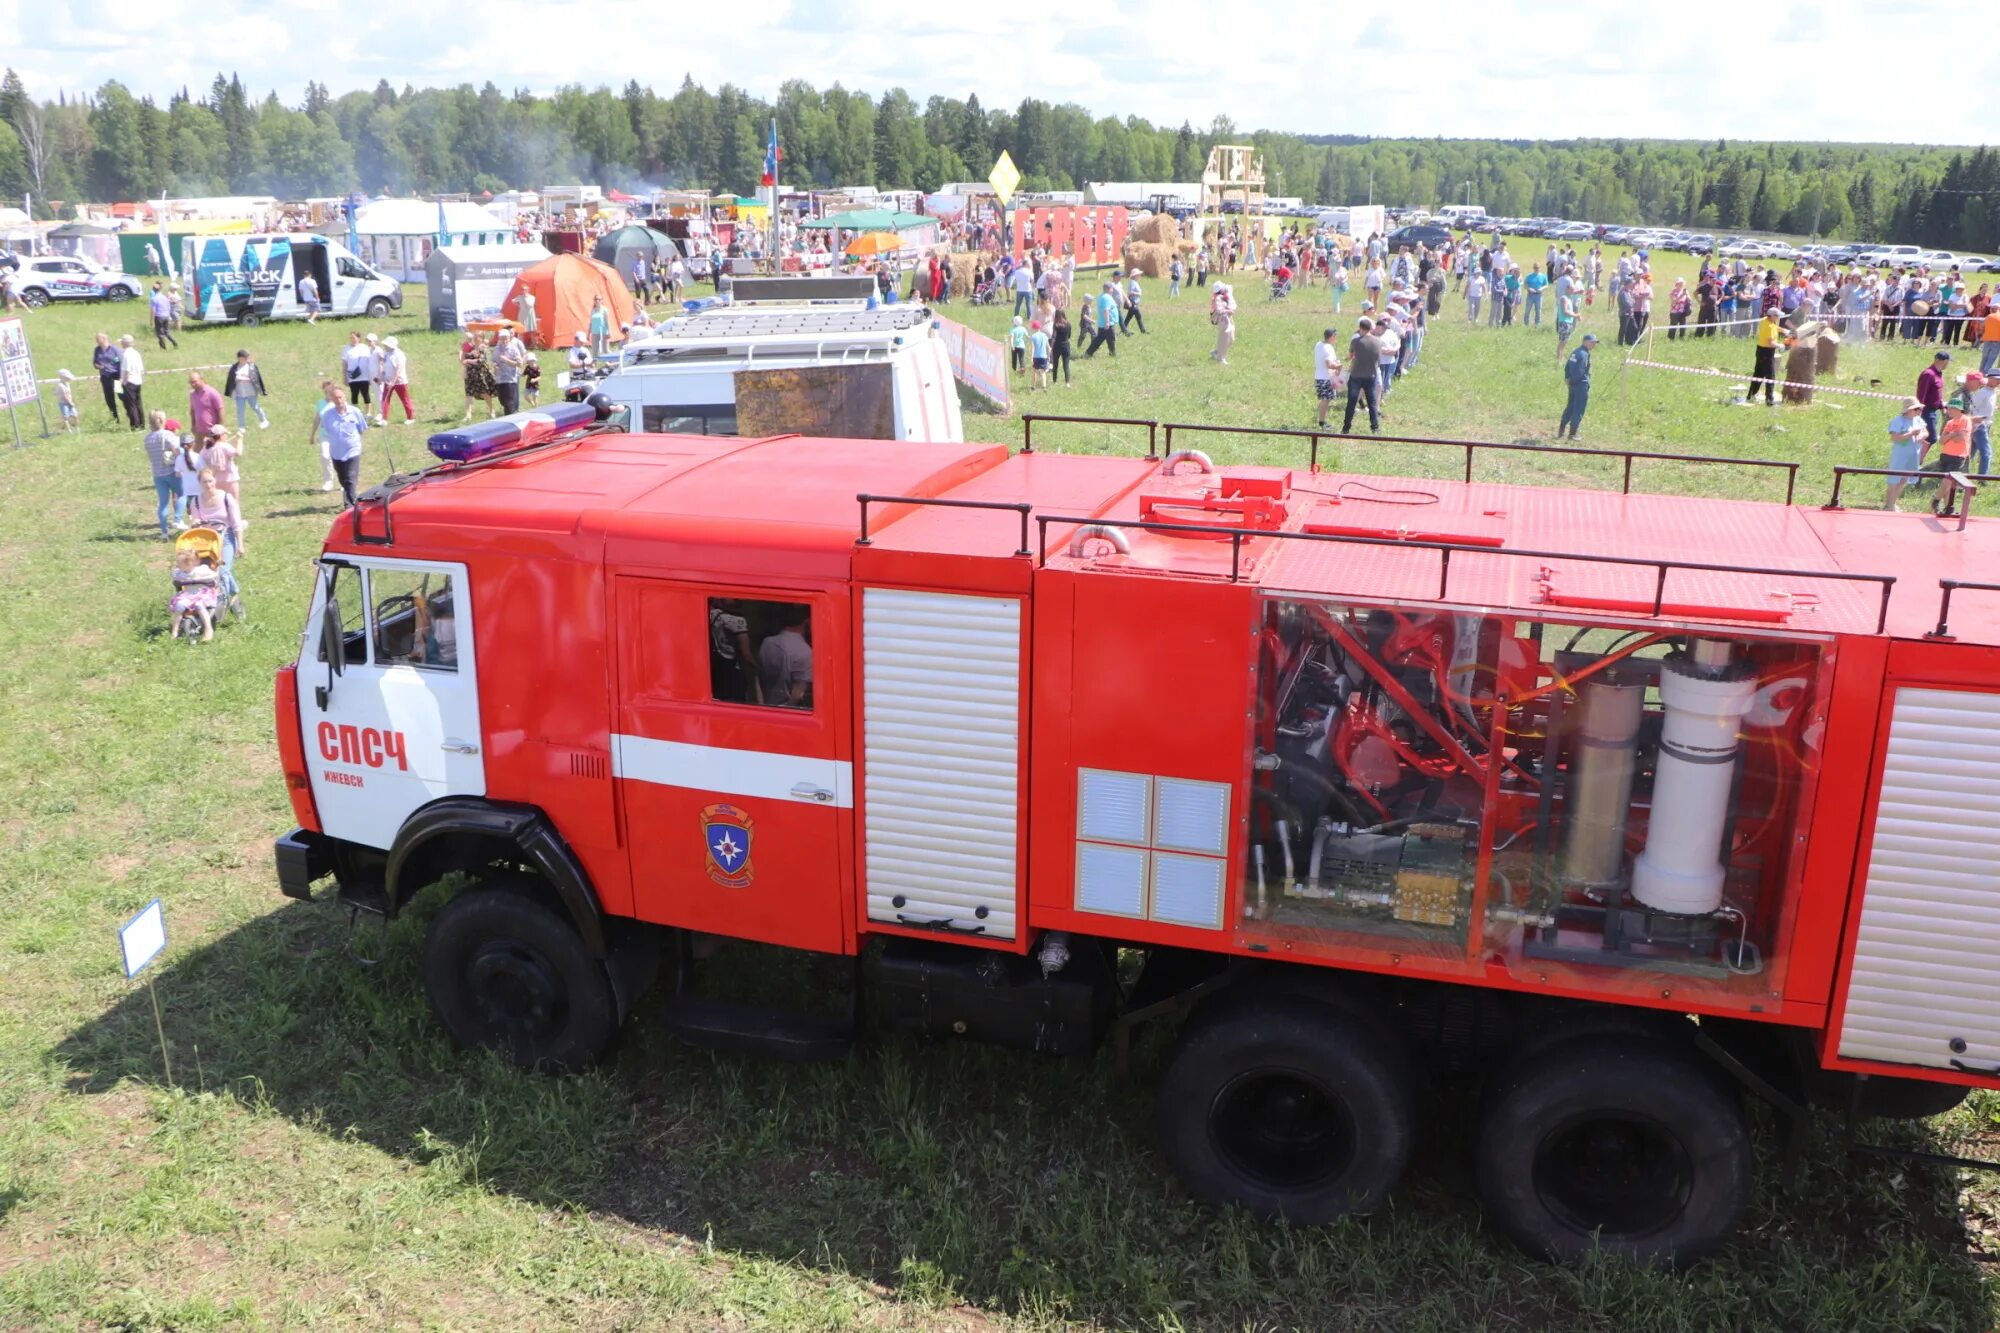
{"x": 483, "y": 439}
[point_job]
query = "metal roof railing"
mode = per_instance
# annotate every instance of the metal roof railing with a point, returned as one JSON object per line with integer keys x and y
{"x": 1661, "y": 567}
{"x": 1160, "y": 434}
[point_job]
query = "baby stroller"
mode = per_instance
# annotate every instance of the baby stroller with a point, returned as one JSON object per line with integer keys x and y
{"x": 1281, "y": 284}
{"x": 986, "y": 291}
{"x": 211, "y": 584}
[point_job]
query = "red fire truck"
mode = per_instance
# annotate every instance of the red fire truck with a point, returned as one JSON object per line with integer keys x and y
{"x": 1635, "y": 805}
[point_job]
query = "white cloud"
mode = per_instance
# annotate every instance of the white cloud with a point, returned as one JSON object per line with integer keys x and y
{"x": 1511, "y": 68}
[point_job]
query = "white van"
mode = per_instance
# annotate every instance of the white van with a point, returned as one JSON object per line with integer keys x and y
{"x": 249, "y": 278}
{"x": 838, "y": 370}
{"x": 1462, "y": 215}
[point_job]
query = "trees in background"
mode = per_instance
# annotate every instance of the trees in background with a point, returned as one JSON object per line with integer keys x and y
{"x": 115, "y": 145}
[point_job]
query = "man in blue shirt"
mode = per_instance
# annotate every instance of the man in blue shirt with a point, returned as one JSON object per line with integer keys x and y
{"x": 1533, "y": 283}
{"x": 341, "y": 426}
{"x": 1576, "y": 371}
{"x": 1107, "y": 323}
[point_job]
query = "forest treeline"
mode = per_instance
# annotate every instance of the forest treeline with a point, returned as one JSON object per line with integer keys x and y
{"x": 116, "y": 145}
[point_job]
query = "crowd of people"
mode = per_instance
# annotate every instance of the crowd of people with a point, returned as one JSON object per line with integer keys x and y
{"x": 1059, "y": 314}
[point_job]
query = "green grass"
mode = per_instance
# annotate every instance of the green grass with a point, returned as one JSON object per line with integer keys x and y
{"x": 324, "y": 1159}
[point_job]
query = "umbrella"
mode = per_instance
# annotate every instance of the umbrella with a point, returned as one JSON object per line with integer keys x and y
{"x": 875, "y": 243}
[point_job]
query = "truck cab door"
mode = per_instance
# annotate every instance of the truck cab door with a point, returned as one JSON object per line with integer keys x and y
{"x": 392, "y": 723}
{"x": 731, "y": 754}
{"x": 350, "y": 285}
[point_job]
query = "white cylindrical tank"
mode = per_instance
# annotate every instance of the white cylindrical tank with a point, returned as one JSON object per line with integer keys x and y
{"x": 1682, "y": 868}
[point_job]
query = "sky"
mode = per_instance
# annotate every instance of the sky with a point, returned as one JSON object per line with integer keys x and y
{"x": 1498, "y": 69}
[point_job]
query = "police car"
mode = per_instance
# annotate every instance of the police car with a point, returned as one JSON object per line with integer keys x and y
{"x": 69, "y": 278}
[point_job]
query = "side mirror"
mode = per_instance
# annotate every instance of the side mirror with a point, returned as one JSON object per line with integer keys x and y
{"x": 332, "y": 643}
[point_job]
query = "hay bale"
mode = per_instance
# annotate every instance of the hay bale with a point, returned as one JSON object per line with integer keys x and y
{"x": 964, "y": 268}
{"x": 1149, "y": 257}
{"x": 1159, "y": 229}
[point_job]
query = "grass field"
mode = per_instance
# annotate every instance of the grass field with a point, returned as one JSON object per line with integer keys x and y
{"x": 323, "y": 1158}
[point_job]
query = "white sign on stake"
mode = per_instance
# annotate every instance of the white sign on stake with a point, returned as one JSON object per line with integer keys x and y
{"x": 143, "y": 938}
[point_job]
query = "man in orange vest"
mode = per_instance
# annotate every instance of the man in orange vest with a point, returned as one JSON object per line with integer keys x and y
{"x": 1989, "y": 342}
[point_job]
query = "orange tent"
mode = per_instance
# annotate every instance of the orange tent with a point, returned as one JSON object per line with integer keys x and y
{"x": 563, "y": 286}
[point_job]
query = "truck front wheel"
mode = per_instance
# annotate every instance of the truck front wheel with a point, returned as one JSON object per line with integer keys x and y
{"x": 1630, "y": 1145}
{"x": 1288, "y": 1108}
{"x": 506, "y": 971}
{"x": 378, "y": 308}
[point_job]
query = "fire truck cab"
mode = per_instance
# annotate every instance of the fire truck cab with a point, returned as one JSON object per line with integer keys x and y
{"x": 1632, "y": 803}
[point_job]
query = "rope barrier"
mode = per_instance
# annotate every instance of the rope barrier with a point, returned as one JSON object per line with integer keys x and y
{"x": 1780, "y": 382}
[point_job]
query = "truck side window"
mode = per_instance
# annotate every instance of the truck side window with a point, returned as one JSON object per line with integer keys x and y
{"x": 690, "y": 419}
{"x": 414, "y": 620}
{"x": 760, "y": 652}
{"x": 346, "y": 596}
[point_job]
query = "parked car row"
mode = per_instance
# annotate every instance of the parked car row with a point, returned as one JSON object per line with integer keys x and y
{"x": 1739, "y": 247}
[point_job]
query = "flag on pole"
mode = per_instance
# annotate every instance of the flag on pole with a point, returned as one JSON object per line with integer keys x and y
{"x": 444, "y": 232}
{"x": 773, "y": 155}
{"x": 166, "y": 247}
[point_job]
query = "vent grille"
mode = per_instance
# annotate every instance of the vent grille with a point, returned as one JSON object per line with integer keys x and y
{"x": 1132, "y": 833}
{"x": 588, "y": 764}
{"x": 1923, "y": 976}
{"x": 941, "y": 748}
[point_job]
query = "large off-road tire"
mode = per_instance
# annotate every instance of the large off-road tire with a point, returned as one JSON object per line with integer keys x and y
{"x": 1634, "y": 1146}
{"x": 506, "y": 971}
{"x": 1288, "y": 1107}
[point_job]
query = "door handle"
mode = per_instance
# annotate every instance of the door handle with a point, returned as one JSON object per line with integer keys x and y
{"x": 805, "y": 791}
{"x": 459, "y": 747}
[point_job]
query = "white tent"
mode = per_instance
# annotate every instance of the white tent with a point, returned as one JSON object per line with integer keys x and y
{"x": 398, "y": 235}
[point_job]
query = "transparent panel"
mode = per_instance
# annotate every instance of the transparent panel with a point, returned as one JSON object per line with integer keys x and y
{"x": 1590, "y": 807}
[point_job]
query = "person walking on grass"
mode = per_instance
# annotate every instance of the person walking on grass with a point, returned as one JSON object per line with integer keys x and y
{"x": 1132, "y": 298}
{"x": 163, "y": 447}
{"x": 1326, "y": 373}
{"x": 342, "y": 426}
{"x": 1105, "y": 315}
{"x": 1059, "y": 335}
{"x": 395, "y": 379}
{"x": 1576, "y": 373}
{"x": 357, "y": 367}
{"x": 1222, "y": 314}
{"x": 245, "y": 386}
{"x": 104, "y": 360}
{"x": 316, "y": 434}
{"x": 1770, "y": 334}
{"x": 600, "y": 328}
{"x": 508, "y": 360}
{"x": 132, "y": 382}
{"x": 1364, "y": 364}
{"x": 162, "y": 308}
{"x": 1930, "y": 391}
{"x": 1909, "y": 438}
{"x": 204, "y": 405}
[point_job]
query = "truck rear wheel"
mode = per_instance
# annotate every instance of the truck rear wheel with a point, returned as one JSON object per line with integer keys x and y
{"x": 1629, "y": 1145}
{"x": 1288, "y": 1108}
{"x": 506, "y": 971}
